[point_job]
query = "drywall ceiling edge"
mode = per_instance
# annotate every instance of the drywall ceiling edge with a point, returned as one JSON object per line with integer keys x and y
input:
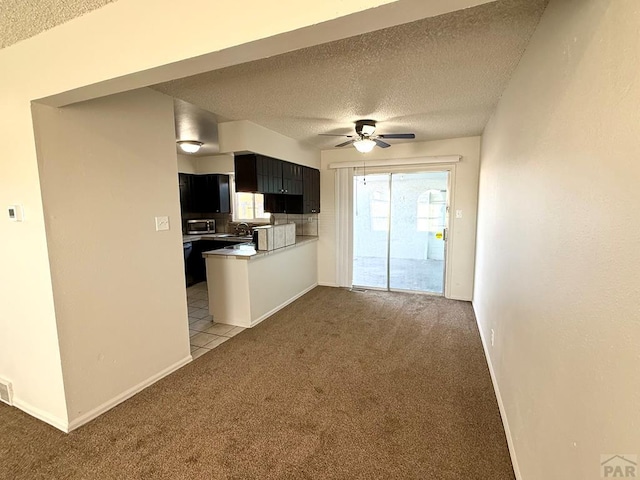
{"x": 354, "y": 23}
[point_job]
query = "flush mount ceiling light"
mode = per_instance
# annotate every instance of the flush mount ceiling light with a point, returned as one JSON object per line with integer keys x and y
{"x": 364, "y": 145}
{"x": 189, "y": 146}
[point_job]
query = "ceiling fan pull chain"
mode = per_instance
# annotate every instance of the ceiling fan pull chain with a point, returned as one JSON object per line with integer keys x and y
{"x": 355, "y": 174}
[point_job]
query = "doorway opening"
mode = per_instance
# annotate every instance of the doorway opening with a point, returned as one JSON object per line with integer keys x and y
{"x": 400, "y": 231}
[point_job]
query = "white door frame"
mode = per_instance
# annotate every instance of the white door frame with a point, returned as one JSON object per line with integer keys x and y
{"x": 449, "y": 224}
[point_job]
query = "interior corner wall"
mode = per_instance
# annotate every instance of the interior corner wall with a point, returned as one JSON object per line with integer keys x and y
{"x": 107, "y": 168}
{"x": 461, "y": 255}
{"x": 558, "y": 259}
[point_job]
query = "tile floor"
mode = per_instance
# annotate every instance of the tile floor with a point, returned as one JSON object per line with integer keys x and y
{"x": 203, "y": 332}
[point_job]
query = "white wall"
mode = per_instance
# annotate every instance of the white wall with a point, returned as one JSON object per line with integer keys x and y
{"x": 243, "y": 135}
{"x": 187, "y": 163}
{"x": 463, "y": 231}
{"x": 558, "y": 259}
{"x": 222, "y": 163}
{"x": 107, "y": 168}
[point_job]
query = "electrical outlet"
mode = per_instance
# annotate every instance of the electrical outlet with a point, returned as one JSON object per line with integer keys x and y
{"x": 493, "y": 337}
{"x": 162, "y": 223}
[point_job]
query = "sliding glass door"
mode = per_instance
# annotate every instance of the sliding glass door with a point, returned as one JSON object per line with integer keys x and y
{"x": 400, "y": 222}
{"x": 371, "y": 230}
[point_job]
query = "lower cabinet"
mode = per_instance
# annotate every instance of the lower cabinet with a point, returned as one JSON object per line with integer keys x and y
{"x": 196, "y": 270}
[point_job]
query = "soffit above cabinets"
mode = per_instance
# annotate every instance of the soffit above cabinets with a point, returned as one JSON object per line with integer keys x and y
{"x": 439, "y": 77}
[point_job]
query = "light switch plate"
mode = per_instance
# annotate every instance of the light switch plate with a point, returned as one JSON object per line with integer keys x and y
{"x": 162, "y": 223}
{"x": 458, "y": 213}
{"x": 15, "y": 213}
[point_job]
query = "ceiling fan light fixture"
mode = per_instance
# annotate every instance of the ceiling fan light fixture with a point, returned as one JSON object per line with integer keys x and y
{"x": 368, "y": 129}
{"x": 364, "y": 145}
{"x": 189, "y": 146}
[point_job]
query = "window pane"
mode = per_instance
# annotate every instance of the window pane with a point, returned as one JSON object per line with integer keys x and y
{"x": 259, "y": 206}
{"x": 250, "y": 206}
{"x": 245, "y": 205}
{"x": 418, "y": 215}
{"x": 370, "y": 230}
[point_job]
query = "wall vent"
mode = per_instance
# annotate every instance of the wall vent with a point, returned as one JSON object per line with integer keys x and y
{"x": 6, "y": 393}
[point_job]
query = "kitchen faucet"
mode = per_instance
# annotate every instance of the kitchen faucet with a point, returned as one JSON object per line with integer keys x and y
{"x": 243, "y": 228}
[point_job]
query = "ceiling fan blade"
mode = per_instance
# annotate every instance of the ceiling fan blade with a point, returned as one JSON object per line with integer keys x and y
{"x": 334, "y": 135}
{"x": 348, "y": 142}
{"x": 398, "y": 135}
{"x": 381, "y": 144}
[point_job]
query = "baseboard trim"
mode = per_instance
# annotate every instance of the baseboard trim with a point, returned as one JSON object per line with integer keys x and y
{"x": 462, "y": 299}
{"x": 328, "y": 284}
{"x": 503, "y": 413}
{"x": 41, "y": 414}
{"x": 282, "y": 305}
{"x": 108, "y": 405}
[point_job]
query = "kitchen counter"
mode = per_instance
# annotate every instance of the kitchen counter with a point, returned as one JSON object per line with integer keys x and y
{"x": 248, "y": 250}
{"x": 224, "y": 237}
{"x": 246, "y": 286}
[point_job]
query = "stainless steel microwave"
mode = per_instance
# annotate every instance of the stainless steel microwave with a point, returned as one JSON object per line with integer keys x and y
{"x": 201, "y": 225}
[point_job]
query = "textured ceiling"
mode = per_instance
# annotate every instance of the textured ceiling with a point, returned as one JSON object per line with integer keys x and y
{"x": 439, "y": 77}
{"x": 20, "y": 19}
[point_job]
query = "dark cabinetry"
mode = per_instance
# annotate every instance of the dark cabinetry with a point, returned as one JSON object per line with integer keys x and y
{"x": 185, "y": 192}
{"x": 262, "y": 174}
{"x": 204, "y": 193}
{"x": 311, "y": 190}
{"x": 288, "y": 187}
{"x": 292, "y": 178}
{"x": 196, "y": 268}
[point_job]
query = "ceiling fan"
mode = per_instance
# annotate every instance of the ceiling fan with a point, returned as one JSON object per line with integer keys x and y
{"x": 364, "y": 140}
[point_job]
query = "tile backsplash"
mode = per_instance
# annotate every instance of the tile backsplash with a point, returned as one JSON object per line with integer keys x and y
{"x": 306, "y": 224}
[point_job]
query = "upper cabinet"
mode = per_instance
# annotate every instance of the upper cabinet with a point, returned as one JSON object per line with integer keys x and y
{"x": 204, "y": 193}
{"x": 262, "y": 174}
{"x": 292, "y": 178}
{"x": 288, "y": 187}
{"x": 184, "y": 181}
{"x": 311, "y": 190}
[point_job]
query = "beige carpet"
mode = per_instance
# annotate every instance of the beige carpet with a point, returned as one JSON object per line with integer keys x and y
{"x": 338, "y": 385}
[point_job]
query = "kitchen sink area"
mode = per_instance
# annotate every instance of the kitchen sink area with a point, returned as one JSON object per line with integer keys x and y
{"x": 204, "y": 333}
{"x": 239, "y": 272}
